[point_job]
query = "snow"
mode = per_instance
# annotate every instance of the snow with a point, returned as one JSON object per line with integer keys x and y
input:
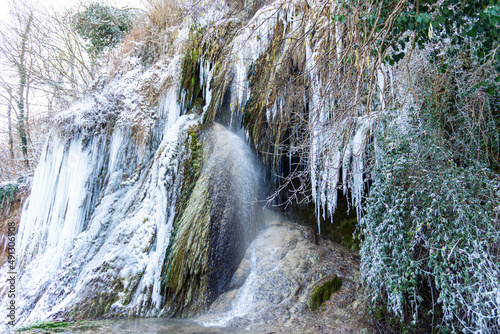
{"x": 125, "y": 239}
{"x": 103, "y": 199}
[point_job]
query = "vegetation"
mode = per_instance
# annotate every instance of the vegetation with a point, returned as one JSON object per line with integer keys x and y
{"x": 57, "y": 326}
{"x": 208, "y": 47}
{"x": 45, "y": 327}
{"x": 7, "y": 193}
{"x": 430, "y": 228}
{"x": 190, "y": 83}
{"x": 102, "y": 26}
{"x": 45, "y": 67}
{"x": 431, "y": 235}
{"x": 323, "y": 292}
{"x": 184, "y": 273}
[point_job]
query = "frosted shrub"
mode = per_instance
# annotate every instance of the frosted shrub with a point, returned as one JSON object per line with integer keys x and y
{"x": 101, "y": 26}
{"x": 431, "y": 236}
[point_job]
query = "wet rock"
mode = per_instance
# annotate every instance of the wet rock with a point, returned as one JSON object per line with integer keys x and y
{"x": 324, "y": 289}
{"x": 241, "y": 274}
{"x": 223, "y": 303}
{"x": 214, "y": 228}
{"x": 281, "y": 269}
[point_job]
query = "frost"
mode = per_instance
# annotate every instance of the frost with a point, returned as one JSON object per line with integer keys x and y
{"x": 125, "y": 237}
{"x": 101, "y": 210}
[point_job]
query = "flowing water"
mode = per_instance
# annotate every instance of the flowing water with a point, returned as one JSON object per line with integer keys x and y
{"x": 156, "y": 326}
{"x": 95, "y": 231}
{"x": 100, "y": 222}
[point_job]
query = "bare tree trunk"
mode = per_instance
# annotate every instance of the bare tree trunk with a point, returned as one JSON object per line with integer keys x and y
{"x": 21, "y": 118}
{"x": 11, "y": 138}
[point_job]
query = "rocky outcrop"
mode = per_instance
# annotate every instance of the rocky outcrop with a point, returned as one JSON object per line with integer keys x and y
{"x": 12, "y": 197}
{"x": 215, "y": 222}
{"x": 271, "y": 289}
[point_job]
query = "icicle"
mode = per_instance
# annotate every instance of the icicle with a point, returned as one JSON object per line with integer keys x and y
{"x": 318, "y": 215}
{"x": 183, "y": 101}
{"x": 358, "y": 145}
{"x": 381, "y": 86}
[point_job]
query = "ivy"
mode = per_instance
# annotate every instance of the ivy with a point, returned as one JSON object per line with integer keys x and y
{"x": 7, "y": 194}
{"x": 429, "y": 234}
{"x": 468, "y": 25}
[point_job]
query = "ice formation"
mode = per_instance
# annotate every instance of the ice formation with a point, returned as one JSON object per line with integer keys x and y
{"x": 100, "y": 215}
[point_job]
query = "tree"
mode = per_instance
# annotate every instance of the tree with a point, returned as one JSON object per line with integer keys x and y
{"x": 64, "y": 69}
{"x": 23, "y": 85}
{"x": 43, "y": 59}
{"x": 102, "y": 26}
{"x": 15, "y": 49}
{"x": 8, "y": 98}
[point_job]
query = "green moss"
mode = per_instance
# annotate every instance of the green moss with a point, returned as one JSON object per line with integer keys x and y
{"x": 323, "y": 292}
{"x": 184, "y": 276}
{"x": 341, "y": 229}
{"x": 58, "y": 326}
{"x": 184, "y": 271}
{"x": 274, "y": 75}
{"x": 215, "y": 49}
{"x": 46, "y": 325}
{"x": 210, "y": 48}
{"x": 192, "y": 168}
{"x": 343, "y": 232}
{"x": 128, "y": 291}
{"x": 380, "y": 315}
{"x": 101, "y": 305}
{"x": 190, "y": 80}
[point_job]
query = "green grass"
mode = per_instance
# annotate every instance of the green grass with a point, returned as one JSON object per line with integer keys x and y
{"x": 57, "y": 326}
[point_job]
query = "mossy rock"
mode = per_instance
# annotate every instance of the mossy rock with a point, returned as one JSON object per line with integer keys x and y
{"x": 341, "y": 229}
{"x": 59, "y": 326}
{"x": 323, "y": 292}
{"x": 343, "y": 233}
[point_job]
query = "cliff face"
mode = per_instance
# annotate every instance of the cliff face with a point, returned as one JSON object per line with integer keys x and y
{"x": 143, "y": 203}
{"x": 12, "y": 198}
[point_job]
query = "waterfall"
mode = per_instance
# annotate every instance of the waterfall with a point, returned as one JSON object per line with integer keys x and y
{"x": 219, "y": 219}
{"x": 140, "y": 210}
{"x": 99, "y": 224}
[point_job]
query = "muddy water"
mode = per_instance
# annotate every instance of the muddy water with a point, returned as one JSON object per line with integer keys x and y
{"x": 155, "y": 326}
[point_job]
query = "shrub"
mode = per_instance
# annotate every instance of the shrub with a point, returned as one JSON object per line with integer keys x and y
{"x": 101, "y": 26}
{"x": 7, "y": 194}
{"x": 431, "y": 235}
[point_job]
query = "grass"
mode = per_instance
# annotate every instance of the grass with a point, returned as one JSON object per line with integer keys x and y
{"x": 57, "y": 326}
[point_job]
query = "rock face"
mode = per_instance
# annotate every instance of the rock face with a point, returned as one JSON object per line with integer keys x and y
{"x": 218, "y": 222}
{"x": 271, "y": 289}
{"x": 12, "y": 197}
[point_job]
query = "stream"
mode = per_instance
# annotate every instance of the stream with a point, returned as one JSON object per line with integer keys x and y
{"x": 154, "y": 326}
